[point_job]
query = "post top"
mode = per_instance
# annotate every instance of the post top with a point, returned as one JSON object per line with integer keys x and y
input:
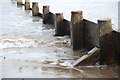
{"x": 34, "y": 2}
{"x": 46, "y": 6}
{"x": 59, "y": 14}
{"x": 77, "y": 12}
{"x": 104, "y": 19}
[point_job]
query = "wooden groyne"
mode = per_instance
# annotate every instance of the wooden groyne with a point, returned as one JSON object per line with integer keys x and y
{"x": 84, "y": 34}
{"x": 91, "y": 34}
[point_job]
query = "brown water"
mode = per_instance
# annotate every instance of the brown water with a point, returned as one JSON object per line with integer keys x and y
{"x": 28, "y": 49}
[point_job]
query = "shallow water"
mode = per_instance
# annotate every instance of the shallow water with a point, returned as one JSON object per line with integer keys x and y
{"x": 28, "y": 48}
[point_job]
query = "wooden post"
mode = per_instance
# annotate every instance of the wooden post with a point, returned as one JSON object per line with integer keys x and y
{"x": 77, "y": 30}
{"x": 45, "y": 14}
{"x": 27, "y": 4}
{"x": 107, "y": 55}
{"x": 59, "y": 24}
{"x": 19, "y": 2}
{"x": 35, "y": 9}
{"x": 117, "y": 45}
{"x": 117, "y": 48}
{"x": 105, "y": 26}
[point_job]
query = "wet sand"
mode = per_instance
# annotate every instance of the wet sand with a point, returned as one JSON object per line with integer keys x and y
{"x": 49, "y": 63}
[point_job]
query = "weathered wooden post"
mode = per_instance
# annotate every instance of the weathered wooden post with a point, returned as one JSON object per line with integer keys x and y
{"x": 77, "y": 30}
{"x": 27, "y": 4}
{"x": 45, "y": 14}
{"x": 35, "y": 9}
{"x": 19, "y": 2}
{"x": 105, "y": 26}
{"x": 106, "y": 41}
{"x": 117, "y": 45}
{"x": 59, "y": 24}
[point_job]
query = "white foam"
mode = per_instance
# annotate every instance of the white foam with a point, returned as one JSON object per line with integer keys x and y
{"x": 66, "y": 64}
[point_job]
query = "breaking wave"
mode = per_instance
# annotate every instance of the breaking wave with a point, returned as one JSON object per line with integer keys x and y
{"x": 30, "y": 41}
